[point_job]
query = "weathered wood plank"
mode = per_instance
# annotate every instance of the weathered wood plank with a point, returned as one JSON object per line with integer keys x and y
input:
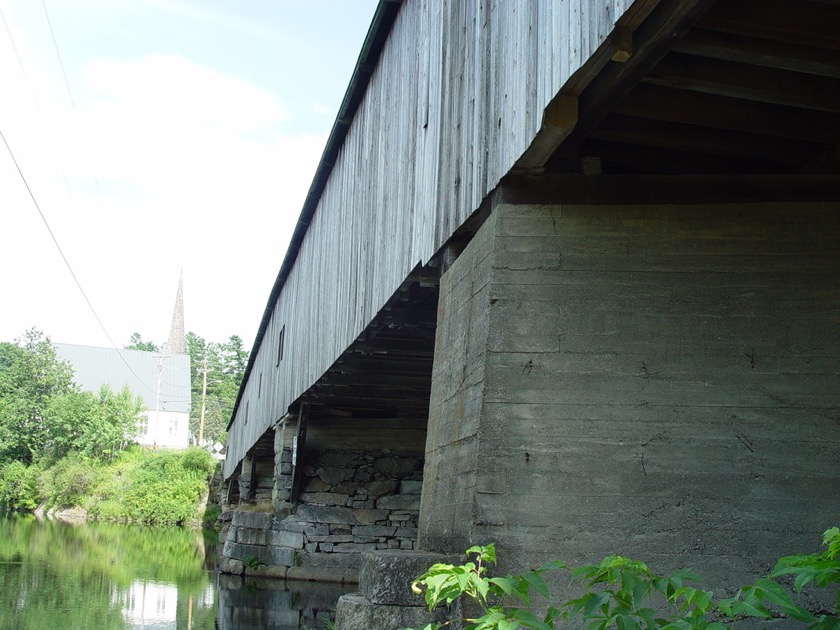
{"x": 455, "y": 98}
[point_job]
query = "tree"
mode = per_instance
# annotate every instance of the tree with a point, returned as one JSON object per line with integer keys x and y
{"x": 31, "y": 378}
{"x": 225, "y": 365}
{"x": 94, "y": 426}
{"x": 137, "y": 343}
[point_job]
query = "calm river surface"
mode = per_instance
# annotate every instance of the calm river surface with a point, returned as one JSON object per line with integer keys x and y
{"x": 98, "y": 576}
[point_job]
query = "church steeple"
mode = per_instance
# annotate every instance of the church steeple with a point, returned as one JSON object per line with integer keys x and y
{"x": 177, "y": 343}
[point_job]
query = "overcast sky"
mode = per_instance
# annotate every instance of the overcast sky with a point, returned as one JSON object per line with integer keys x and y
{"x": 185, "y": 136}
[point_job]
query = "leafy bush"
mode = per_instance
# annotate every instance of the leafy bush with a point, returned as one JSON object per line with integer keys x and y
{"x": 68, "y": 482}
{"x": 18, "y": 486}
{"x": 140, "y": 486}
{"x": 162, "y": 488}
{"x": 624, "y": 594}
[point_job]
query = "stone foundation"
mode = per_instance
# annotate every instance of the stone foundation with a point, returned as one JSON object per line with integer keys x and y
{"x": 351, "y": 502}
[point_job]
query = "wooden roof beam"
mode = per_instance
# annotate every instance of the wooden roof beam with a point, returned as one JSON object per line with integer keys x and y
{"x": 801, "y": 22}
{"x": 738, "y": 80}
{"x": 655, "y": 189}
{"x": 655, "y": 36}
{"x": 721, "y": 112}
{"x": 761, "y": 52}
{"x": 698, "y": 139}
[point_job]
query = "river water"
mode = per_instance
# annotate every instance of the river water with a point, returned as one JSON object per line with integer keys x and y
{"x": 99, "y": 576}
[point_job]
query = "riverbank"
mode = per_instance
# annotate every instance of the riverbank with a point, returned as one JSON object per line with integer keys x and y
{"x": 153, "y": 487}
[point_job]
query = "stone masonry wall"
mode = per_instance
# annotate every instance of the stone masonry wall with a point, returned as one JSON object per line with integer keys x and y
{"x": 351, "y": 501}
{"x": 660, "y": 382}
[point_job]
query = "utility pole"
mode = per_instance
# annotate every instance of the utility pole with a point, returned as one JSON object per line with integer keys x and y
{"x": 203, "y": 399}
{"x": 160, "y": 359}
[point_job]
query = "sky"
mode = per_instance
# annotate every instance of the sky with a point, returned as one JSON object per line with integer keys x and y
{"x": 159, "y": 137}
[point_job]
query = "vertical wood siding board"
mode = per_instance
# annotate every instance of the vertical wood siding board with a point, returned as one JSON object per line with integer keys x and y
{"x": 497, "y": 118}
{"x": 475, "y": 63}
{"x": 573, "y": 32}
{"x": 422, "y": 52}
{"x": 420, "y": 146}
{"x": 410, "y": 153}
{"x": 538, "y": 64}
{"x": 443, "y": 118}
{"x": 469, "y": 113}
{"x": 442, "y": 104}
{"x": 485, "y": 126}
{"x": 462, "y": 105}
{"x": 436, "y": 100}
{"x": 427, "y": 185}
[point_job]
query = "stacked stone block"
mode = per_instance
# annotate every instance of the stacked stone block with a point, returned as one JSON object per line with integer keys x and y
{"x": 385, "y": 600}
{"x": 351, "y": 502}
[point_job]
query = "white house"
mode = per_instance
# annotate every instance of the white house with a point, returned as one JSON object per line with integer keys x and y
{"x": 160, "y": 379}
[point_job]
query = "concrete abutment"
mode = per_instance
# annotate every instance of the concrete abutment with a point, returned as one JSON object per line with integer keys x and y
{"x": 661, "y": 382}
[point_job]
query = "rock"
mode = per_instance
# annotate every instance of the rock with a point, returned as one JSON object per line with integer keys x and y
{"x": 411, "y": 486}
{"x": 373, "y": 530}
{"x": 369, "y": 517}
{"x": 332, "y": 475}
{"x": 399, "y": 502}
{"x": 315, "y": 484}
{"x": 354, "y": 612}
{"x": 325, "y": 514}
{"x": 254, "y": 520}
{"x": 376, "y": 489}
{"x": 323, "y": 498}
{"x": 293, "y": 540}
{"x": 395, "y": 467}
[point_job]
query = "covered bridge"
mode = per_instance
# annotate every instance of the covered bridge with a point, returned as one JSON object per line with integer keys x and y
{"x": 567, "y": 279}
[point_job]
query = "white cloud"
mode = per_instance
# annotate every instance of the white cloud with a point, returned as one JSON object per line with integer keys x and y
{"x": 169, "y": 164}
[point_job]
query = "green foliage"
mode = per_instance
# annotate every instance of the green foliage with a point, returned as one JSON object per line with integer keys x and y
{"x": 93, "y": 426}
{"x": 225, "y": 364}
{"x": 136, "y": 343}
{"x": 161, "y": 488}
{"x": 624, "y": 594}
{"x": 31, "y": 378}
{"x": 138, "y": 485}
{"x": 252, "y": 562}
{"x": 43, "y": 415}
{"x": 18, "y": 486}
{"x": 68, "y": 482}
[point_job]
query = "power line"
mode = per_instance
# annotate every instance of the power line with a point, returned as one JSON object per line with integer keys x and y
{"x": 64, "y": 258}
{"x": 20, "y": 61}
{"x": 58, "y": 54}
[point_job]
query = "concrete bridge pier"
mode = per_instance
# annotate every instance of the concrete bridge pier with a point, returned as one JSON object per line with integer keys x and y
{"x": 655, "y": 381}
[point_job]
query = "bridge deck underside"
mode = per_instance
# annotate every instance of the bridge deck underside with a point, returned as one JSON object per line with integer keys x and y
{"x": 385, "y": 376}
{"x": 734, "y": 86}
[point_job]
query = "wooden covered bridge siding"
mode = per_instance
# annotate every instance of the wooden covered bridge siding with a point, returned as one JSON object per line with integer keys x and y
{"x": 456, "y": 95}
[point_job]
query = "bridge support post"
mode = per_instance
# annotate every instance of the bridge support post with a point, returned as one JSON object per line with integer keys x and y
{"x": 282, "y": 463}
{"x": 245, "y": 479}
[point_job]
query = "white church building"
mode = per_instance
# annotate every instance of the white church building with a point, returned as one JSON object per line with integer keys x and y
{"x": 160, "y": 379}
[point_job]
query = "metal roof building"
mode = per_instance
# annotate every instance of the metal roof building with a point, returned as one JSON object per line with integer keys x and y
{"x": 161, "y": 380}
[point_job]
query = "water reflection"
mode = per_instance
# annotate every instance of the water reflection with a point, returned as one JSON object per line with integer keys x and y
{"x": 252, "y": 604}
{"x": 118, "y": 577}
{"x": 103, "y": 576}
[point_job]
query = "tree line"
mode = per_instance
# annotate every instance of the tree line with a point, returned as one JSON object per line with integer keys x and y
{"x": 44, "y": 415}
{"x": 62, "y": 447}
